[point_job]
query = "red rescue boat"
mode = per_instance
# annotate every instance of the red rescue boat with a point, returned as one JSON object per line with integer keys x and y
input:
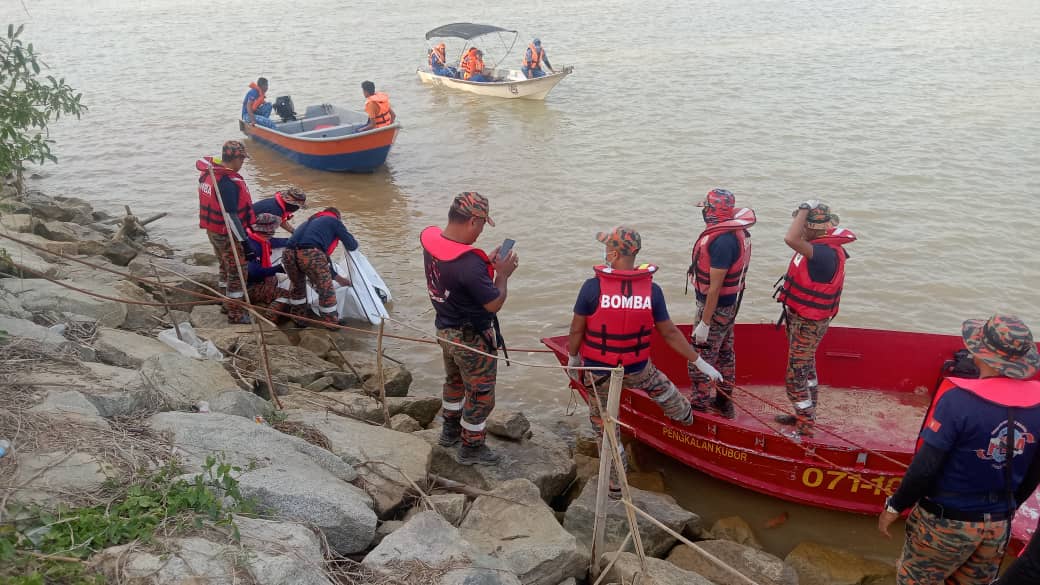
{"x": 875, "y": 388}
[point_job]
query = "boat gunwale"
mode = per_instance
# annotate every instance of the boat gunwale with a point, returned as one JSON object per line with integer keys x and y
{"x": 529, "y": 81}
{"x": 345, "y": 138}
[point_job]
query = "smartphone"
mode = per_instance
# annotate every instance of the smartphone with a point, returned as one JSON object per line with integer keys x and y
{"x": 505, "y": 248}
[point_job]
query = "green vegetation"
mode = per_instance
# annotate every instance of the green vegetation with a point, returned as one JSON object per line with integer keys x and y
{"x": 47, "y": 547}
{"x": 29, "y": 101}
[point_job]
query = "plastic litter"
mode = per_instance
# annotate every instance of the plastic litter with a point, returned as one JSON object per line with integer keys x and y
{"x": 192, "y": 346}
{"x": 5, "y": 447}
{"x": 202, "y": 406}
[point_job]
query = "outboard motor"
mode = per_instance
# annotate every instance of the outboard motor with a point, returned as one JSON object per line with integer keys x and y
{"x": 284, "y": 107}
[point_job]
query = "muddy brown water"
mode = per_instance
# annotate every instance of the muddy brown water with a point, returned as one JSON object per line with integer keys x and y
{"x": 919, "y": 121}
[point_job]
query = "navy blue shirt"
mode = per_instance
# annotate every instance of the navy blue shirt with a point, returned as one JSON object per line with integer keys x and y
{"x": 270, "y": 205}
{"x": 823, "y": 264}
{"x": 251, "y": 95}
{"x": 459, "y": 289}
{"x": 229, "y": 195}
{"x": 588, "y": 302}
{"x": 723, "y": 251}
{"x": 972, "y": 432}
{"x": 257, "y": 273}
{"x": 320, "y": 232}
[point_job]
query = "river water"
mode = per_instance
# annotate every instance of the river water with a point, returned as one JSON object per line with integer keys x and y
{"x": 918, "y": 121}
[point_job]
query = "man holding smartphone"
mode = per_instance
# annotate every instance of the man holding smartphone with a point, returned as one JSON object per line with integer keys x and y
{"x": 467, "y": 288}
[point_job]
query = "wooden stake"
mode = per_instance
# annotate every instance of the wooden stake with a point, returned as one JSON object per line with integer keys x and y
{"x": 166, "y": 302}
{"x": 599, "y": 524}
{"x": 379, "y": 369}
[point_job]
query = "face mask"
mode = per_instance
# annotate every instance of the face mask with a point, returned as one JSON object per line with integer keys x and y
{"x": 704, "y": 214}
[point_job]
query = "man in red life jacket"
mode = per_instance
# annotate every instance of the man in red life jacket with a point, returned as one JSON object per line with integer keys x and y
{"x": 284, "y": 204}
{"x": 308, "y": 257}
{"x": 377, "y": 106}
{"x": 720, "y": 259}
{"x": 239, "y": 206}
{"x": 263, "y": 274}
{"x": 616, "y": 312}
{"x": 977, "y": 461}
{"x": 810, "y": 292}
{"x": 467, "y": 288}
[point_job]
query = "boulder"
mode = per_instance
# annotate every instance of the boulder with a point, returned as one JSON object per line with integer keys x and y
{"x": 117, "y": 391}
{"x": 126, "y": 349}
{"x": 508, "y": 425}
{"x": 735, "y": 529}
{"x": 71, "y": 209}
{"x": 344, "y": 380}
{"x": 340, "y": 510}
{"x": 242, "y": 338}
{"x": 451, "y": 507}
{"x": 240, "y": 403}
{"x": 204, "y": 278}
{"x": 48, "y": 478}
{"x": 819, "y": 564}
{"x": 659, "y": 572}
{"x": 139, "y": 317}
{"x": 396, "y": 380}
{"x": 761, "y": 567}
{"x": 208, "y": 317}
{"x": 10, "y": 306}
{"x": 515, "y": 525}
{"x": 293, "y": 365}
{"x": 422, "y": 408}
{"x": 385, "y": 529}
{"x": 543, "y": 459}
{"x": 40, "y": 295}
{"x": 70, "y": 405}
{"x": 320, "y": 384}
{"x": 316, "y": 342}
{"x": 32, "y": 261}
{"x": 51, "y": 340}
{"x": 403, "y": 423}
{"x": 87, "y": 240}
{"x": 281, "y": 553}
{"x": 186, "y": 560}
{"x": 119, "y": 253}
{"x": 181, "y": 381}
{"x": 373, "y": 448}
{"x": 16, "y": 223}
{"x": 656, "y": 542}
{"x": 413, "y": 542}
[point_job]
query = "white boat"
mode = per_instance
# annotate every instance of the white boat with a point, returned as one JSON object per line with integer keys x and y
{"x": 505, "y": 83}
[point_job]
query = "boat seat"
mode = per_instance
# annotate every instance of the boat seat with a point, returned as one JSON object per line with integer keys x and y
{"x": 309, "y": 124}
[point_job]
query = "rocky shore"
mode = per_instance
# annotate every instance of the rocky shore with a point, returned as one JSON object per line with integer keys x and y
{"x": 130, "y": 462}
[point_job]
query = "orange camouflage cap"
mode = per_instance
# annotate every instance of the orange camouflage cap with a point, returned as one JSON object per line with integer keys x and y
{"x": 623, "y": 239}
{"x": 233, "y": 149}
{"x": 473, "y": 204}
{"x": 821, "y": 217}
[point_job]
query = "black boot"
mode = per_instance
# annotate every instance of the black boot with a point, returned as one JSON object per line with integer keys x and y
{"x": 786, "y": 419}
{"x": 478, "y": 455}
{"x": 724, "y": 405}
{"x": 451, "y": 434}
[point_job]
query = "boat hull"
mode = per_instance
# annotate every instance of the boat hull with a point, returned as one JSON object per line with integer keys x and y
{"x": 515, "y": 87}
{"x": 358, "y": 153}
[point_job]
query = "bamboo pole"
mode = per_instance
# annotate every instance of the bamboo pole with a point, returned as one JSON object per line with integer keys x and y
{"x": 166, "y": 302}
{"x": 379, "y": 370}
{"x": 599, "y": 524}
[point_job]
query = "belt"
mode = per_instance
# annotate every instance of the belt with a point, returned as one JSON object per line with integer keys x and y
{"x": 943, "y": 512}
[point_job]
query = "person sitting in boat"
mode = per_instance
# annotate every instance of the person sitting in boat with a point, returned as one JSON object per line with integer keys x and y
{"x": 810, "y": 292}
{"x": 284, "y": 203}
{"x": 439, "y": 61}
{"x": 473, "y": 65}
{"x": 614, "y": 318}
{"x": 970, "y": 472}
{"x": 255, "y": 109}
{"x": 719, "y": 262}
{"x": 377, "y": 106}
{"x": 263, "y": 274}
{"x": 533, "y": 58}
{"x": 308, "y": 257}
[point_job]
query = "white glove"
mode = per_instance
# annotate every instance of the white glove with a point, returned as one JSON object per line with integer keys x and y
{"x": 707, "y": 369}
{"x": 812, "y": 203}
{"x": 700, "y": 334}
{"x": 574, "y": 361}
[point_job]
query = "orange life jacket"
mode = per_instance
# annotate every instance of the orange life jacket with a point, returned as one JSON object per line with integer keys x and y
{"x": 536, "y": 57}
{"x": 253, "y": 105}
{"x": 438, "y": 57}
{"x": 810, "y": 299}
{"x": 618, "y": 332}
{"x": 472, "y": 64}
{"x": 700, "y": 260}
{"x": 382, "y": 101}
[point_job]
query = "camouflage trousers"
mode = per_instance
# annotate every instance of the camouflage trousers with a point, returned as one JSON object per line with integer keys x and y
{"x": 940, "y": 551}
{"x": 310, "y": 264}
{"x": 650, "y": 380}
{"x": 718, "y": 351}
{"x": 228, "y": 272}
{"x": 803, "y": 337}
{"x": 267, "y": 293}
{"x": 469, "y": 382}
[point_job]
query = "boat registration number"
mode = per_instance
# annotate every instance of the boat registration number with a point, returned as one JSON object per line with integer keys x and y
{"x": 835, "y": 479}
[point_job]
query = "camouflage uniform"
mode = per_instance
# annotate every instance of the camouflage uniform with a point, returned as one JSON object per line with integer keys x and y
{"x": 469, "y": 387}
{"x": 718, "y": 352}
{"x": 935, "y": 546}
{"x": 803, "y": 337}
{"x": 312, "y": 264}
{"x": 228, "y": 273}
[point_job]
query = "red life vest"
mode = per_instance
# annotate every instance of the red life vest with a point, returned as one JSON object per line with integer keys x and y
{"x": 618, "y": 332}
{"x": 1003, "y": 391}
{"x": 700, "y": 260}
{"x": 382, "y": 102}
{"x": 265, "y": 248}
{"x": 210, "y": 216}
{"x": 253, "y": 105}
{"x": 536, "y": 54}
{"x": 808, "y": 298}
{"x": 445, "y": 250}
{"x": 286, "y": 214}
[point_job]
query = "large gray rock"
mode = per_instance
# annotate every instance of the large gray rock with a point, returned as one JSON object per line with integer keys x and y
{"x": 422, "y": 408}
{"x": 403, "y": 423}
{"x": 240, "y": 403}
{"x": 522, "y": 531}
{"x": 208, "y": 317}
{"x": 71, "y": 405}
{"x": 119, "y": 253}
{"x": 761, "y": 567}
{"x": 660, "y": 572}
{"x": 242, "y": 338}
{"x": 61, "y": 231}
{"x": 59, "y": 208}
{"x": 139, "y": 317}
{"x": 190, "y": 278}
{"x": 50, "y": 339}
{"x": 38, "y": 295}
{"x": 126, "y": 349}
{"x": 372, "y": 448}
{"x": 189, "y": 561}
{"x": 656, "y": 542}
{"x": 281, "y": 553}
{"x": 451, "y": 507}
{"x": 182, "y": 381}
{"x": 543, "y": 459}
{"x": 293, "y": 365}
{"x": 819, "y": 564}
{"x": 116, "y": 391}
{"x": 10, "y": 306}
{"x": 735, "y": 529}
{"x": 241, "y": 442}
{"x": 508, "y": 425}
{"x": 48, "y": 478}
{"x": 29, "y": 260}
{"x": 429, "y": 539}
{"x": 340, "y": 510}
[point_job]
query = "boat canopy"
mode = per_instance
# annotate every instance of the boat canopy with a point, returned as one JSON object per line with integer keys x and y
{"x": 465, "y": 30}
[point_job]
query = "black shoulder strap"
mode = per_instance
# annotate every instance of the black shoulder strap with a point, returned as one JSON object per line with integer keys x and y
{"x": 1009, "y": 457}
